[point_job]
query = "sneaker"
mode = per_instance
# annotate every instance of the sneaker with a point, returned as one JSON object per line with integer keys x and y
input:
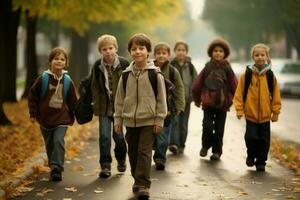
{"x": 159, "y": 166}
{"x": 56, "y": 175}
{"x": 121, "y": 166}
{"x": 260, "y": 168}
{"x": 215, "y": 156}
{"x": 203, "y": 152}
{"x": 143, "y": 193}
{"x": 250, "y": 162}
{"x": 105, "y": 171}
{"x": 173, "y": 148}
{"x": 135, "y": 188}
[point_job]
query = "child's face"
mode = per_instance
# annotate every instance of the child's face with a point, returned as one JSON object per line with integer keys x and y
{"x": 139, "y": 53}
{"x": 161, "y": 56}
{"x": 108, "y": 52}
{"x": 260, "y": 57}
{"x": 58, "y": 62}
{"x": 218, "y": 53}
{"x": 180, "y": 52}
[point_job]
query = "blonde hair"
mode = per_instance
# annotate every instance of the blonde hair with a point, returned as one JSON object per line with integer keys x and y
{"x": 106, "y": 39}
{"x": 264, "y": 47}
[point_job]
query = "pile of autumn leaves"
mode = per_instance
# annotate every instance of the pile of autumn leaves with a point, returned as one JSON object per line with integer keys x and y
{"x": 22, "y": 140}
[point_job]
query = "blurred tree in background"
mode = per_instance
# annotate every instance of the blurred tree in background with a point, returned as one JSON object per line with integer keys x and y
{"x": 245, "y": 23}
{"x": 81, "y": 22}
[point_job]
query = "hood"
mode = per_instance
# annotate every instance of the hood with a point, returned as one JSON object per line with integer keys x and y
{"x": 255, "y": 69}
{"x": 149, "y": 65}
{"x": 57, "y": 78}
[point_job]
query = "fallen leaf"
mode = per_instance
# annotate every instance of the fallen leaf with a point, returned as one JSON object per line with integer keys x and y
{"x": 43, "y": 192}
{"x": 98, "y": 190}
{"x": 77, "y": 168}
{"x": 71, "y": 189}
{"x": 290, "y": 197}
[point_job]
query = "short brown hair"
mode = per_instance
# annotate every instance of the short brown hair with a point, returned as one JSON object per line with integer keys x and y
{"x": 106, "y": 39}
{"x": 186, "y": 46}
{"x": 219, "y": 42}
{"x": 162, "y": 46}
{"x": 139, "y": 39}
{"x": 56, "y": 51}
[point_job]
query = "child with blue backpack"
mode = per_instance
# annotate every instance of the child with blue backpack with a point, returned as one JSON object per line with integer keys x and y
{"x": 258, "y": 99}
{"x": 213, "y": 90}
{"x": 51, "y": 101}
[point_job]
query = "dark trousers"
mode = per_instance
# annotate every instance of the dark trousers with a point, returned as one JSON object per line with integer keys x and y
{"x": 105, "y": 131}
{"x": 140, "y": 143}
{"x": 180, "y": 127}
{"x": 257, "y": 140}
{"x": 213, "y": 129}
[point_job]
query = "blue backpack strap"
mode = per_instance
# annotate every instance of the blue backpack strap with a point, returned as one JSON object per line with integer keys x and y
{"x": 44, "y": 84}
{"x": 67, "y": 83}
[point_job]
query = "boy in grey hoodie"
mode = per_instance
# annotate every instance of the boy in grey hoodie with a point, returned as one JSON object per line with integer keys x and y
{"x": 141, "y": 111}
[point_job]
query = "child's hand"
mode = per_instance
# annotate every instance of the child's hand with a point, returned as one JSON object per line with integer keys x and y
{"x": 274, "y": 118}
{"x": 239, "y": 116}
{"x": 178, "y": 112}
{"x": 32, "y": 119}
{"x": 157, "y": 129}
{"x": 117, "y": 129}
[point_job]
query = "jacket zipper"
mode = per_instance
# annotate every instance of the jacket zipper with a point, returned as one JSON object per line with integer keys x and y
{"x": 137, "y": 99}
{"x": 258, "y": 111}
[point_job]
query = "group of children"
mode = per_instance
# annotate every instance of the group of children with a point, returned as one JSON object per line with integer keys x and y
{"x": 137, "y": 95}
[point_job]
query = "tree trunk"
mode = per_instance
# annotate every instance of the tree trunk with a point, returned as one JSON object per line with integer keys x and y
{"x": 288, "y": 47}
{"x": 54, "y": 37}
{"x": 9, "y": 22}
{"x": 30, "y": 53}
{"x": 79, "y": 66}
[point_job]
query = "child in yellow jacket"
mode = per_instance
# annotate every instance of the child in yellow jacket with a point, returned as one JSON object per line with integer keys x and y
{"x": 259, "y": 105}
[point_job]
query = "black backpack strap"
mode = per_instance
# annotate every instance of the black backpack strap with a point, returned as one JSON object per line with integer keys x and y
{"x": 270, "y": 76}
{"x": 248, "y": 77}
{"x": 152, "y": 74}
{"x": 124, "y": 80}
{"x": 172, "y": 74}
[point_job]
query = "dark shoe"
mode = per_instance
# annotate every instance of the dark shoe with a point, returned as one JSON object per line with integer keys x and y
{"x": 203, "y": 152}
{"x": 173, "y": 148}
{"x": 121, "y": 166}
{"x": 159, "y": 166}
{"x": 260, "y": 168}
{"x": 105, "y": 171}
{"x": 215, "y": 156}
{"x": 143, "y": 193}
{"x": 56, "y": 175}
{"x": 135, "y": 188}
{"x": 250, "y": 162}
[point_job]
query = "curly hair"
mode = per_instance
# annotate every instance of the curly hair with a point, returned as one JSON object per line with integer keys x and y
{"x": 219, "y": 42}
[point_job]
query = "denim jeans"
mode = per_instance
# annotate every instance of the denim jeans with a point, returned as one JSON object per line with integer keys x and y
{"x": 180, "y": 127}
{"x": 105, "y": 129}
{"x": 161, "y": 144}
{"x": 55, "y": 146}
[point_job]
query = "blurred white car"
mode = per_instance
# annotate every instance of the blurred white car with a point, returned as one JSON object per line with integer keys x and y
{"x": 287, "y": 73}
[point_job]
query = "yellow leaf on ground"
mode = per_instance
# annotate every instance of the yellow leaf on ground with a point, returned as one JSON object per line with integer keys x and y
{"x": 71, "y": 189}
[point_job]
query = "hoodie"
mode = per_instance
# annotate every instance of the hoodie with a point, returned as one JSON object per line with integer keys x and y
{"x": 138, "y": 106}
{"x": 53, "y": 110}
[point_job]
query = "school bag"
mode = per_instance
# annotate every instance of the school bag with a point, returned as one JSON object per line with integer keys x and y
{"x": 169, "y": 87}
{"x": 45, "y": 81}
{"x": 248, "y": 77}
{"x": 214, "y": 90}
{"x": 84, "y": 108}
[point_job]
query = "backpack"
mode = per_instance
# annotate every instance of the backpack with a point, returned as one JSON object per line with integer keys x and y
{"x": 169, "y": 87}
{"x": 248, "y": 77}
{"x": 84, "y": 108}
{"x": 45, "y": 81}
{"x": 214, "y": 91}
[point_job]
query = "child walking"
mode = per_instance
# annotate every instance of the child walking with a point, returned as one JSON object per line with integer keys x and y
{"x": 162, "y": 53}
{"x": 213, "y": 90}
{"x": 141, "y": 111}
{"x": 105, "y": 75}
{"x": 258, "y": 98}
{"x": 188, "y": 74}
{"x": 51, "y": 102}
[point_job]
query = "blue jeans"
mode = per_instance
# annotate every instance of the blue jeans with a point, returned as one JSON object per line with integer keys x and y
{"x": 105, "y": 129}
{"x": 180, "y": 127}
{"x": 54, "y": 139}
{"x": 161, "y": 144}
